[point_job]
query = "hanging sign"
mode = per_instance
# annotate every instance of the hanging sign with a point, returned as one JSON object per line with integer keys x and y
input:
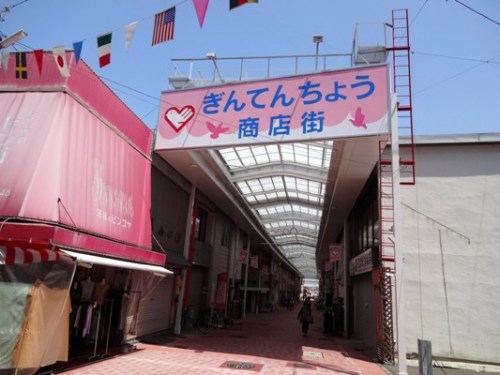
{"x": 335, "y": 252}
{"x": 362, "y": 263}
{"x": 333, "y": 104}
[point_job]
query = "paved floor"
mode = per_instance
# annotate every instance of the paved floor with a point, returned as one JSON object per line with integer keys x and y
{"x": 268, "y": 343}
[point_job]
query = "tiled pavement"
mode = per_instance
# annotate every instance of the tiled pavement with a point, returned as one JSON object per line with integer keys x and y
{"x": 268, "y": 343}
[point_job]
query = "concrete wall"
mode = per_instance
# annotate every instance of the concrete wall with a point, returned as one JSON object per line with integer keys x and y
{"x": 451, "y": 244}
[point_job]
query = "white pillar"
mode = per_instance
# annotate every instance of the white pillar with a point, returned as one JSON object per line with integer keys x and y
{"x": 187, "y": 244}
{"x": 230, "y": 267}
{"x": 398, "y": 249}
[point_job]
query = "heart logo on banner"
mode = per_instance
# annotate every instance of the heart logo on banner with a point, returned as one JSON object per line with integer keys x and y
{"x": 178, "y": 118}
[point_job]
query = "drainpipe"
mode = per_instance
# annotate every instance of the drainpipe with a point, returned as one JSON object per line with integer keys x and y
{"x": 184, "y": 272}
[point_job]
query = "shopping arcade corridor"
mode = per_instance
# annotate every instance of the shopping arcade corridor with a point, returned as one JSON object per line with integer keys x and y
{"x": 267, "y": 343}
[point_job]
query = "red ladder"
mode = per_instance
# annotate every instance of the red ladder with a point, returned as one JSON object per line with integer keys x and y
{"x": 402, "y": 87}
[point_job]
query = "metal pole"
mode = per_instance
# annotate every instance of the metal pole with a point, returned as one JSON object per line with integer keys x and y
{"x": 317, "y": 39}
{"x": 398, "y": 256}
{"x": 230, "y": 268}
{"x": 97, "y": 332}
{"x": 317, "y": 54}
{"x": 187, "y": 242}
{"x": 246, "y": 279}
{"x": 424, "y": 357}
{"x": 109, "y": 325}
{"x": 347, "y": 298}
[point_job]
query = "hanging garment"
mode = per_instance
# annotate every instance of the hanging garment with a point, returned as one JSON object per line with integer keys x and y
{"x": 88, "y": 321}
{"x": 13, "y": 297}
{"x": 44, "y": 337}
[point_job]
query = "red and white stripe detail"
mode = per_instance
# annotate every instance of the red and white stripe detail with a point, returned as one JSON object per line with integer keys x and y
{"x": 19, "y": 255}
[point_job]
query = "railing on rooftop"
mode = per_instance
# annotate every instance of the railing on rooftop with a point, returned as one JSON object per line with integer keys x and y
{"x": 369, "y": 46}
{"x": 213, "y": 70}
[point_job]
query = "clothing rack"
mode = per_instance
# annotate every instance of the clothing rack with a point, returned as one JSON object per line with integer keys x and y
{"x": 104, "y": 315}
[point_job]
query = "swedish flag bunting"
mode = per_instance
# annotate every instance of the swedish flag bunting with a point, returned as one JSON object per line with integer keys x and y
{"x": 21, "y": 66}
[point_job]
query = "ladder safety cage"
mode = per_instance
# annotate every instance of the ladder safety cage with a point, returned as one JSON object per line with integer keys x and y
{"x": 401, "y": 66}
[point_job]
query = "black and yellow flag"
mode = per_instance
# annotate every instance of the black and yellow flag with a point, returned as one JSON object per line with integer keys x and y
{"x": 21, "y": 67}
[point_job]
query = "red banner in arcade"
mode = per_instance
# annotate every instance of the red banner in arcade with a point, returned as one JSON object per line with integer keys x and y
{"x": 60, "y": 163}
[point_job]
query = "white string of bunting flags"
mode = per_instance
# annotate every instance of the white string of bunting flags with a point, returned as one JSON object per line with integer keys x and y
{"x": 163, "y": 31}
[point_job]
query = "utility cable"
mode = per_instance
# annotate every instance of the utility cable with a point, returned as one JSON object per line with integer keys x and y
{"x": 477, "y": 12}
{"x": 456, "y": 57}
{"x": 464, "y": 237}
{"x": 418, "y": 12}
{"x": 456, "y": 75}
{"x": 7, "y": 9}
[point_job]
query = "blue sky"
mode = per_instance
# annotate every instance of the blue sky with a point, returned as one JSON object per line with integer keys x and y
{"x": 455, "y": 51}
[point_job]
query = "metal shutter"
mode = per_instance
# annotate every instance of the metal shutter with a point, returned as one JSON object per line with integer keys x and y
{"x": 154, "y": 312}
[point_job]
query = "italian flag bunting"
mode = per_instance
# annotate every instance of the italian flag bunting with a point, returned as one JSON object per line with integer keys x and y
{"x": 104, "y": 47}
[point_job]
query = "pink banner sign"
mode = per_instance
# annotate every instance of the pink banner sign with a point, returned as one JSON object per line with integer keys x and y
{"x": 335, "y": 104}
{"x": 83, "y": 84}
{"x": 60, "y": 163}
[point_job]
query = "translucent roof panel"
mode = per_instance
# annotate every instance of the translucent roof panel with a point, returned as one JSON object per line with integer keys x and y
{"x": 284, "y": 184}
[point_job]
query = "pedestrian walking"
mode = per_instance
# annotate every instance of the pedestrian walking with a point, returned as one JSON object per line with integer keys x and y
{"x": 305, "y": 316}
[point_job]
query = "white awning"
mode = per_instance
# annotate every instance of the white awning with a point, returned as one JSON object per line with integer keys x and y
{"x": 87, "y": 260}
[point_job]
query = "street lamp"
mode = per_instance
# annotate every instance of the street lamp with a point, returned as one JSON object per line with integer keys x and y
{"x": 10, "y": 40}
{"x": 317, "y": 39}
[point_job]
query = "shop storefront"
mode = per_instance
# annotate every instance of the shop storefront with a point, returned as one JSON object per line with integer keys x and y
{"x": 75, "y": 228}
{"x": 47, "y": 293}
{"x": 34, "y": 319}
{"x": 360, "y": 270}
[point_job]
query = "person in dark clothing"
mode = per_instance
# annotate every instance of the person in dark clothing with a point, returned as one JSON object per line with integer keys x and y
{"x": 338, "y": 316}
{"x": 305, "y": 316}
{"x": 328, "y": 321}
{"x": 290, "y": 303}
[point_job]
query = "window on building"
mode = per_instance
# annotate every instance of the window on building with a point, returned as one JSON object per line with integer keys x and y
{"x": 225, "y": 239}
{"x": 200, "y": 232}
{"x": 364, "y": 221}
